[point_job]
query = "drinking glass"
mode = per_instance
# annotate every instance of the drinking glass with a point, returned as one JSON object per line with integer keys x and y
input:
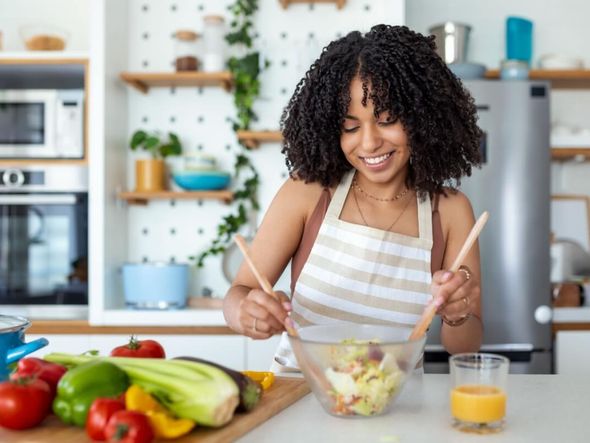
{"x": 478, "y": 392}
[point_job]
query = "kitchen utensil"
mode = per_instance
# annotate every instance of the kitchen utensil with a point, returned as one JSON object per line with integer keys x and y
{"x": 354, "y": 369}
{"x": 468, "y": 71}
{"x": 232, "y": 256}
{"x": 519, "y": 39}
{"x": 201, "y": 180}
{"x": 155, "y": 285}
{"x": 41, "y": 37}
{"x": 430, "y": 310}
{"x": 12, "y": 344}
{"x": 514, "y": 70}
{"x": 559, "y": 61}
{"x": 262, "y": 280}
{"x": 451, "y": 40}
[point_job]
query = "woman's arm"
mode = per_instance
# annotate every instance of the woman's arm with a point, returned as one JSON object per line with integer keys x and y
{"x": 461, "y": 291}
{"x": 247, "y": 309}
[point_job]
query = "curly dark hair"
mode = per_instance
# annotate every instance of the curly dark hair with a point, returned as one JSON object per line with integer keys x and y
{"x": 410, "y": 81}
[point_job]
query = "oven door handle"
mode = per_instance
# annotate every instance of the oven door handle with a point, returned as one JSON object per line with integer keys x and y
{"x": 37, "y": 199}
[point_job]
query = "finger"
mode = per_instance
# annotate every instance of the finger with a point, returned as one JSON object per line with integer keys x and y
{"x": 259, "y": 312}
{"x": 442, "y": 276}
{"x": 285, "y": 300}
{"x": 446, "y": 290}
{"x": 272, "y": 305}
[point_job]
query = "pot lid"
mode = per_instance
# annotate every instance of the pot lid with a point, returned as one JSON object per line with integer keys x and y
{"x": 10, "y": 323}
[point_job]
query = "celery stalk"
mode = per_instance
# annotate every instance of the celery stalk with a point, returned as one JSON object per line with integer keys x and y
{"x": 196, "y": 391}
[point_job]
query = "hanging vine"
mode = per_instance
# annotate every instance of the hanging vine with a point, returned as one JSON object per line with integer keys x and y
{"x": 245, "y": 70}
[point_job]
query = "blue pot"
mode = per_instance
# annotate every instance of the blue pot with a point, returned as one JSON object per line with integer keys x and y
{"x": 12, "y": 342}
{"x": 155, "y": 285}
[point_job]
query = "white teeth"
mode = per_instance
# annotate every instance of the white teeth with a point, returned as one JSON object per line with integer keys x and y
{"x": 376, "y": 160}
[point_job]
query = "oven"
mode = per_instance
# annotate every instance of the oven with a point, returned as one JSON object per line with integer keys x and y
{"x": 41, "y": 123}
{"x": 44, "y": 240}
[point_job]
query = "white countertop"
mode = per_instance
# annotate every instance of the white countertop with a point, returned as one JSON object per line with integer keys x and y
{"x": 571, "y": 315}
{"x": 541, "y": 408}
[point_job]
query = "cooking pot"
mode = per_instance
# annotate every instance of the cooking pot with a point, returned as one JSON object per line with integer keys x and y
{"x": 155, "y": 285}
{"x": 451, "y": 40}
{"x": 12, "y": 342}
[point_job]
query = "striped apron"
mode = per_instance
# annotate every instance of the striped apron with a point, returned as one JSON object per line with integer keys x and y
{"x": 360, "y": 274}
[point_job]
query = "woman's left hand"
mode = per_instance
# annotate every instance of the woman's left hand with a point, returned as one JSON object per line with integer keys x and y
{"x": 455, "y": 294}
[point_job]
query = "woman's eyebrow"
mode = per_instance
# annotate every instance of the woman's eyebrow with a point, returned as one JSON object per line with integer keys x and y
{"x": 350, "y": 117}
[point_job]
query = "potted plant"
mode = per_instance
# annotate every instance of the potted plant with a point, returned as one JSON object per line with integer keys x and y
{"x": 150, "y": 174}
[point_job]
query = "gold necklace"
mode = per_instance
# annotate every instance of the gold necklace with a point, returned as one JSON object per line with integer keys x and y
{"x": 397, "y": 197}
{"x": 394, "y": 222}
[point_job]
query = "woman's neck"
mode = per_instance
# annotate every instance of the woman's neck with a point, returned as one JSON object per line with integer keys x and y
{"x": 387, "y": 191}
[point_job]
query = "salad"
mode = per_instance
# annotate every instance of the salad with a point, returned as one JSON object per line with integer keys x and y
{"x": 363, "y": 378}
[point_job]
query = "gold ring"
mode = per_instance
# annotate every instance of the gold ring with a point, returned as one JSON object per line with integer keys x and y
{"x": 466, "y": 272}
{"x": 466, "y": 301}
{"x": 254, "y": 327}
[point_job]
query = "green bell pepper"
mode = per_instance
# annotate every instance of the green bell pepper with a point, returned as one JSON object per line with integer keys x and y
{"x": 80, "y": 386}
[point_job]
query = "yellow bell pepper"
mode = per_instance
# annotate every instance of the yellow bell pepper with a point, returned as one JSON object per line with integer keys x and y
{"x": 163, "y": 423}
{"x": 266, "y": 379}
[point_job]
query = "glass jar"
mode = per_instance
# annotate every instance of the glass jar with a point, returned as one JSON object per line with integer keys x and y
{"x": 186, "y": 50}
{"x": 214, "y": 43}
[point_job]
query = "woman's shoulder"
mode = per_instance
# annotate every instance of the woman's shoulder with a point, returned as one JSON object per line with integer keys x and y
{"x": 454, "y": 208}
{"x": 301, "y": 195}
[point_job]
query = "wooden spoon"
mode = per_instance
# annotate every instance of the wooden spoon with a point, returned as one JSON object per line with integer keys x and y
{"x": 430, "y": 310}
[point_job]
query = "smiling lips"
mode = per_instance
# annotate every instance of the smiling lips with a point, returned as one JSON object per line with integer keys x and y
{"x": 376, "y": 161}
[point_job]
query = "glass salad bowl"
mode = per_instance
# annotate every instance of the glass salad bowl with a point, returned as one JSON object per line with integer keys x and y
{"x": 356, "y": 370}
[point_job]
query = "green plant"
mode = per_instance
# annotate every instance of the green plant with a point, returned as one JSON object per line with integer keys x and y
{"x": 153, "y": 143}
{"x": 245, "y": 71}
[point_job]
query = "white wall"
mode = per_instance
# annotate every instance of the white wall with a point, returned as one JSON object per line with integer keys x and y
{"x": 70, "y": 16}
{"x": 560, "y": 26}
{"x": 161, "y": 231}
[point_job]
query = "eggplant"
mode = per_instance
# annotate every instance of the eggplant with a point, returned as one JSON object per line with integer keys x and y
{"x": 250, "y": 390}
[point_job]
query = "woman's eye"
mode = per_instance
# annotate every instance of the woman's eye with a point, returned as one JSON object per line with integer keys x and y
{"x": 349, "y": 130}
{"x": 386, "y": 122}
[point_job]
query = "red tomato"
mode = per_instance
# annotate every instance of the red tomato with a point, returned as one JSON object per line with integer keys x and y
{"x": 129, "y": 427}
{"x": 139, "y": 348}
{"x": 24, "y": 403}
{"x": 99, "y": 414}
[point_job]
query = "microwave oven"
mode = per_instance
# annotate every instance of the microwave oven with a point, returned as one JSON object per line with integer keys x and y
{"x": 41, "y": 123}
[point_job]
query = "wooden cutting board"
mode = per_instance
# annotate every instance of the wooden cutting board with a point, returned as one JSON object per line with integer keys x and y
{"x": 284, "y": 392}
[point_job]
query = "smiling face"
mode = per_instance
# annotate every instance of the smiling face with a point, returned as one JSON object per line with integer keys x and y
{"x": 377, "y": 147}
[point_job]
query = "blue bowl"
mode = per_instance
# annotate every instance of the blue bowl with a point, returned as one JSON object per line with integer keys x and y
{"x": 201, "y": 180}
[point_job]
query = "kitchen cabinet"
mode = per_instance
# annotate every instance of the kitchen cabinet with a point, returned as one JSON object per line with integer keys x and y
{"x": 572, "y": 352}
{"x": 228, "y": 350}
{"x": 234, "y": 351}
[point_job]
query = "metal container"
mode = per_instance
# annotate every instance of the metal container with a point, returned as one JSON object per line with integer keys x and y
{"x": 451, "y": 40}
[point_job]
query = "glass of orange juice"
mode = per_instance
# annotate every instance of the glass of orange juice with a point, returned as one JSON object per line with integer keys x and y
{"x": 478, "y": 392}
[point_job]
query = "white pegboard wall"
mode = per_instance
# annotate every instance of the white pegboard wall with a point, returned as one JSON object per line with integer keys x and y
{"x": 290, "y": 39}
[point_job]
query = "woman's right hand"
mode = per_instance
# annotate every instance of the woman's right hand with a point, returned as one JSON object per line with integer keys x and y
{"x": 261, "y": 315}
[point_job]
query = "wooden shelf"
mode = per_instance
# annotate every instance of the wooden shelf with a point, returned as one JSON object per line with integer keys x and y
{"x": 142, "y": 198}
{"x": 51, "y": 327}
{"x": 569, "y": 153}
{"x": 559, "y": 78}
{"x": 253, "y": 139}
{"x": 44, "y": 57}
{"x": 339, "y": 3}
{"x": 143, "y": 81}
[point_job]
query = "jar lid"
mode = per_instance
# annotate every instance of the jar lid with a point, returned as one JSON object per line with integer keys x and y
{"x": 186, "y": 35}
{"x": 213, "y": 19}
{"x": 10, "y": 324}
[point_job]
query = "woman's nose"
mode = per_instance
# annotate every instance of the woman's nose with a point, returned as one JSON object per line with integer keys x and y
{"x": 370, "y": 139}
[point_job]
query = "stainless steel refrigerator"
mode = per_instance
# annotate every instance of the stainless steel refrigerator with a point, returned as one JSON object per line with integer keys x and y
{"x": 513, "y": 185}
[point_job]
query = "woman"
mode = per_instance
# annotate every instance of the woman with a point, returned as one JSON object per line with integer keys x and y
{"x": 376, "y": 134}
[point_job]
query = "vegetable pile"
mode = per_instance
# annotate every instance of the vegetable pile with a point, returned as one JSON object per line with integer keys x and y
{"x": 133, "y": 396}
{"x": 363, "y": 378}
